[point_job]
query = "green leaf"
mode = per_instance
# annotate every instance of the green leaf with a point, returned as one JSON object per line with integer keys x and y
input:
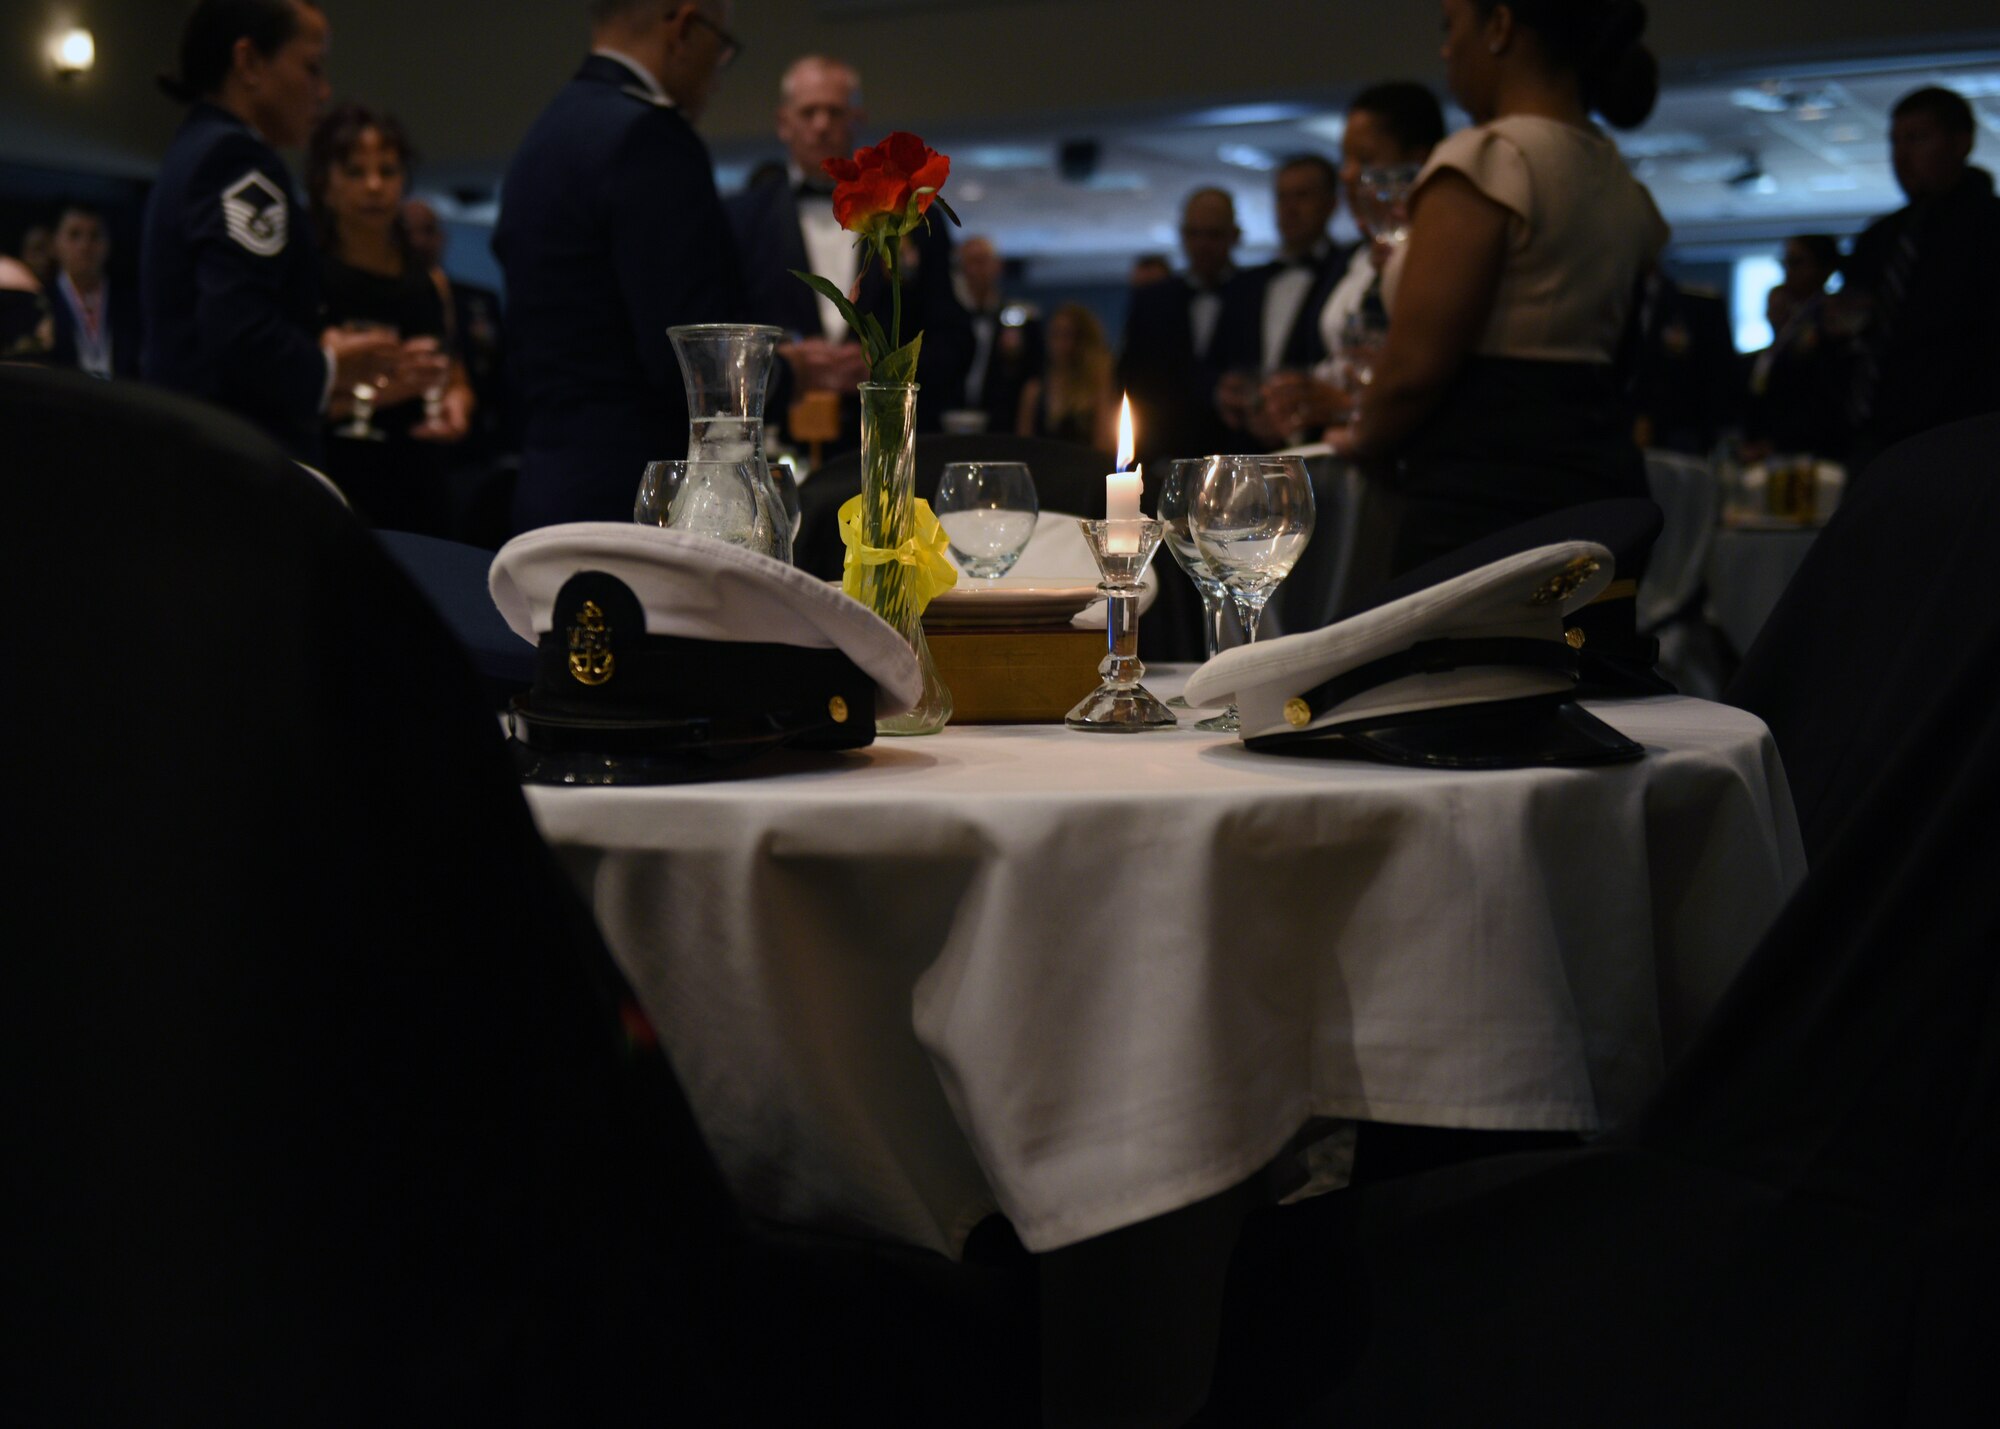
{"x": 939, "y": 202}
{"x": 826, "y": 289}
{"x": 900, "y": 365}
{"x": 871, "y": 333}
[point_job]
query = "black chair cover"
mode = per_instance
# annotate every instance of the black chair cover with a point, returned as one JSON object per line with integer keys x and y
{"x": 452, "y": 576}
{"x": 1799, "y": 1229}
{"x": 1893, "y": 591}
{"x": 323, "y": 1103}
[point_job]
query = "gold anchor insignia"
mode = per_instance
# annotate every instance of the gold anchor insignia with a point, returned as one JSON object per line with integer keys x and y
{"x": 1566, "y": 582}
{"x": 590, "y": 657}
{"x": 1298, "y": 714}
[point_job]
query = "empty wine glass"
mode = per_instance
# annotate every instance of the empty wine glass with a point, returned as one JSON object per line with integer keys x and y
{"x": 1363, "y": 336}
{"x": 988, "y": 510}
{"x": 1386, "y": 196}
{"x": 360, "y": 424}
{"x": 726, "y": 500}
{"x": 1251, "y": 519}
{"x": 1219, "y": 626}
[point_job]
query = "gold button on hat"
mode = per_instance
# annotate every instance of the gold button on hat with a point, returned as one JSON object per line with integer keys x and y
{"x": 837, "y": 707}
{"x": 1298, "y": 714}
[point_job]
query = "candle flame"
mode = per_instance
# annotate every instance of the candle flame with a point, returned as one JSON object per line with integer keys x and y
{"x": 1125, "y": 443}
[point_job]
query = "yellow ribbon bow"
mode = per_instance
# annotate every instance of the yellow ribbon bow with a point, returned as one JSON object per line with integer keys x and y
{"x": 930, "y": 571}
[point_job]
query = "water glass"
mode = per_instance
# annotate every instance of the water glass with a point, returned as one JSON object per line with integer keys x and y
{"x": 726, "y": 500}
{"x": 988, "y": 510}
{"x": 1251, "y": 519}
{"x": 1385, "y": 200}
{"x": 1219, "y": 626}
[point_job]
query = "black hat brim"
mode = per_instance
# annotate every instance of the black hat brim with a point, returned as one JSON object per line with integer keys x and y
{"x": 1504, "y": 734}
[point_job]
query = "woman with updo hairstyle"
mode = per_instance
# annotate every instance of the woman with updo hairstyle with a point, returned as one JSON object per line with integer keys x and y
{"x": 1495, "y": 399}
{"x": 357, "y": 173}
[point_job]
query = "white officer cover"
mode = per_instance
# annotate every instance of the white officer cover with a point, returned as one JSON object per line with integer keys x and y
{"x": 699, "y": 588}
{"x": 1507, "y": 598}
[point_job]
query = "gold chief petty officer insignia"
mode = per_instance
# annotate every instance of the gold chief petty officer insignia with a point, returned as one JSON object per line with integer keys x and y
{"x": 590, "y": 657}
{"x": 1564, "y": 583}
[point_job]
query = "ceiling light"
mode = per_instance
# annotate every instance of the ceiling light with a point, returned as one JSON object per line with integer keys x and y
{"x": 73, "y": 52}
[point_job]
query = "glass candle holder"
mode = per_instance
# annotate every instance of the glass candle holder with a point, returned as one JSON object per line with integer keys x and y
{"x": 1121, "y": 705}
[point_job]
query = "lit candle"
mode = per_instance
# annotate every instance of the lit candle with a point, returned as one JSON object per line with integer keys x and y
{"x": 1121, "y": 487}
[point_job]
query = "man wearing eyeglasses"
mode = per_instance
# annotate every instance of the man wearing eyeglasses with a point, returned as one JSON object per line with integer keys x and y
{"x": 611, "y": 232}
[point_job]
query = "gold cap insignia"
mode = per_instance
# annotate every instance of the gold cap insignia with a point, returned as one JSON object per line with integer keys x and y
{"x": 1566, "y": 582}
{"x": 837, "y": 708}
{"x": 590, "y": 657}
{"x": 1298, "y": 714}
{"x": 1574, "y": 637}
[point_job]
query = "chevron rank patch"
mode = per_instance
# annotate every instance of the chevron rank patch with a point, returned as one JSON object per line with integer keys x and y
{"x": 253, "y": 210}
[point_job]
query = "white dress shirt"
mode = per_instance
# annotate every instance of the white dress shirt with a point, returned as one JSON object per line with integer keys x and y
{"x": 1345, "y": 299}
{"x": 830, "y": 252}
{"x": 1282, "y": 298}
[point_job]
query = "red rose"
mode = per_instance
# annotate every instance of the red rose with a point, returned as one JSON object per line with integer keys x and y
{"x": 888, "y": 186}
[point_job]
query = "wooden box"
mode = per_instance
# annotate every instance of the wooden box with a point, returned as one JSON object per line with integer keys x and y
{"x": 1004, "y": 676}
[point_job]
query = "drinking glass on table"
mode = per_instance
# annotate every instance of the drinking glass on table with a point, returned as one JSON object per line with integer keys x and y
{"x": 988, "y": 511}
{"x": 725, "y": 500}
{"x": 1219, "y": 625}
{"x": 360, "y": 424}
{"x": 1251, "y": 519}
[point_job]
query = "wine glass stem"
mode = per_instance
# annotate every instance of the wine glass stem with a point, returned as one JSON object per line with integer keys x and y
{"x": 1214, "y": 610}
{"x": 1250, "y": 610}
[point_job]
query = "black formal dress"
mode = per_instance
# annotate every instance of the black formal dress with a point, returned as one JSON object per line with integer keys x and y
{"x": 765, "y": 219}
{"x": 396, "y": 483}
{"x": 610, "y": 233}
{"x": 229, "y": 281}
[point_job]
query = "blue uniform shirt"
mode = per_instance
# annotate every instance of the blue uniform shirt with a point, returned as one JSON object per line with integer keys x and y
{"x": 610, "y": 232}
{"x": 229, "y": 282}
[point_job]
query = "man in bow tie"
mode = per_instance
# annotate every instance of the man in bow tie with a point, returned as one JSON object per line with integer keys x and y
{"x": 1270, "y": 321}
{"x": 1171, "y": 350}
{"x": 786, "y": 225}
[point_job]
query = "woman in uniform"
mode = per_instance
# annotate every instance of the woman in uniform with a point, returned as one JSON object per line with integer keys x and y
{"x": 227, "y": 274}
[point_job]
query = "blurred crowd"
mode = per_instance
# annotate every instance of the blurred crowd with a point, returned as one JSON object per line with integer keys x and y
{"x": 1507, "y": 307}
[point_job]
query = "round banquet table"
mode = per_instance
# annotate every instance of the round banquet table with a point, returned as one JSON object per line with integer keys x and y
{"x": 1090, "y": 979}
{"x": 1748, "y": 570}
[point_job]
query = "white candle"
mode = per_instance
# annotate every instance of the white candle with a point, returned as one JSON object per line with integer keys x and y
{"x": 1121, "y": 487}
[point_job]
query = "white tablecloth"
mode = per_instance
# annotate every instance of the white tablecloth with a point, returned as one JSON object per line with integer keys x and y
{"x": 1089, "y": 979}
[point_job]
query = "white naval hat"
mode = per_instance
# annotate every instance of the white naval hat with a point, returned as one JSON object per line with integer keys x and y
{"x": 1475, "y": 671}
{"x": 663, "y": 654}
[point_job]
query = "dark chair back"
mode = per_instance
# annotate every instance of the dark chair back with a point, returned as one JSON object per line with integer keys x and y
{"x": 1894, "y": 590}
{"x": 319, "y": 1107}
{"x": 1799, "y": 1226}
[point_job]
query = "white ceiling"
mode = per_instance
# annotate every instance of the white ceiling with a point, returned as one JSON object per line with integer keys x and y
{"x": 1731, "y": 158}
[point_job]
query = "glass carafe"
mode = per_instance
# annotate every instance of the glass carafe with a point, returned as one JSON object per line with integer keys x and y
{"x": 725, "y": 367}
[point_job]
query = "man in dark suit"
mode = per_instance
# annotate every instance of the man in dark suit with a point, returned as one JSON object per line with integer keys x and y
{"x": 97, "y": 330}
{"x": 782, "y": 228}
{"x": 1684, "y": 366}
{"x": 1270, "y": 319}
{"x": 1924, "y": 282}
{"x": 1169, "y": 365}
{"x": 610, "y": 233}
{"x": 1006, "y": 337}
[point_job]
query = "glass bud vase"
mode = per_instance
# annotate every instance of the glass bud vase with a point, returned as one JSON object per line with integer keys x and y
{"x": 725, "y": 368}
{"x": 888, "y": 518}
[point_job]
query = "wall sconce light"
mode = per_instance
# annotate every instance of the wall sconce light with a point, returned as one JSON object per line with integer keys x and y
{"x": 73, "y": 52}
